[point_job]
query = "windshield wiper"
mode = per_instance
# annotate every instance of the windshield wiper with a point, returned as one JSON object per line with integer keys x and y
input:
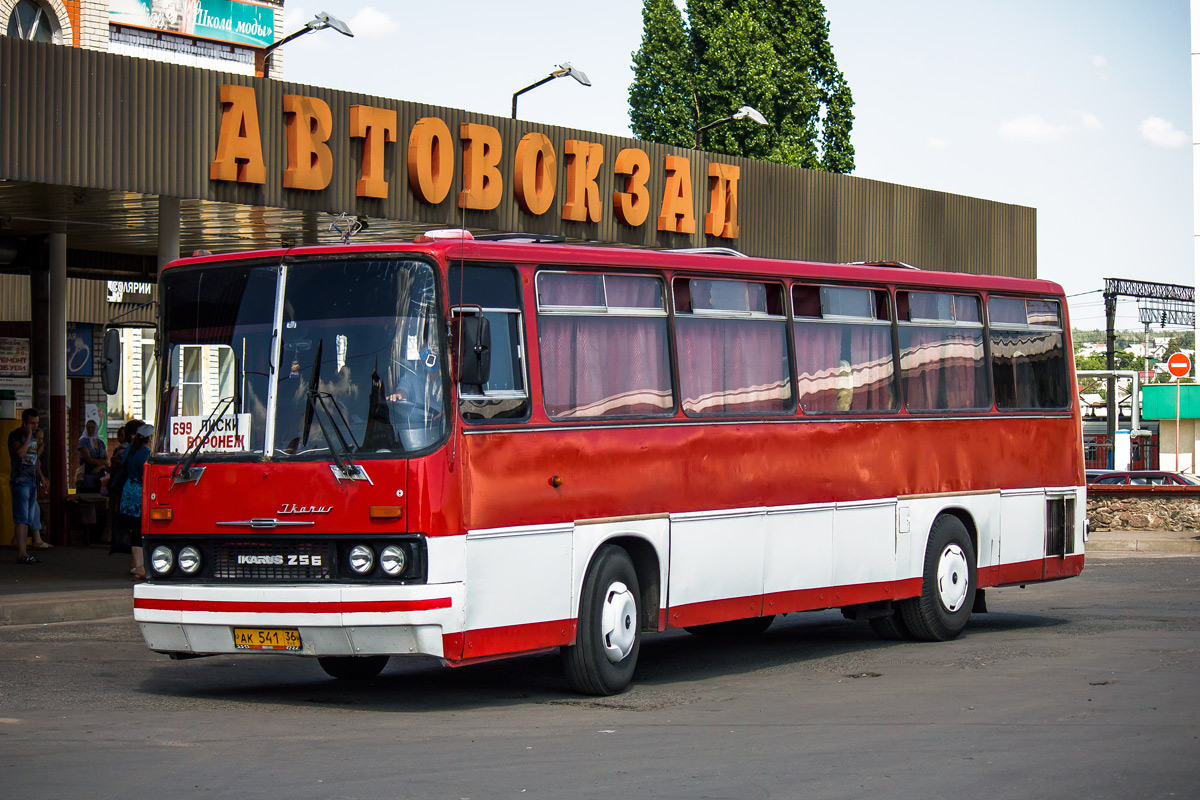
{"x": 340, "y": 452}
{"x": 183, "y": 470}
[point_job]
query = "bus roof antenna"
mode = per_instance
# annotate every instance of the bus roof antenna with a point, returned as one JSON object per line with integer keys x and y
{"x": 346, "y": 226}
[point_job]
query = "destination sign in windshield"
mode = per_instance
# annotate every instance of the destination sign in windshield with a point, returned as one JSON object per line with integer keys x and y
{"x": 230, "y": 434}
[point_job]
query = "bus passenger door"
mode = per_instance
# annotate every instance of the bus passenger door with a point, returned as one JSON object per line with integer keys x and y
{"x": 716, "y": 566}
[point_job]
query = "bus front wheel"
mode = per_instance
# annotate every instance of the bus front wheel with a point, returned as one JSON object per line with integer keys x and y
{"x": 353, "y": 668}
{"x": 948, "y": 584}
{"x": 607, "y": 640}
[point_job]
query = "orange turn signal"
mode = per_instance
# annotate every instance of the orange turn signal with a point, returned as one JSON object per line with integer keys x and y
{"x": 160, "y": 514}
{"x": 386, "y": 512}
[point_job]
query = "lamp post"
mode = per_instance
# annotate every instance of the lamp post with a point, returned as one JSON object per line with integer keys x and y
{"x": 317, "y": 23}
{"x": 745, "y": 112}
{"x": 560, "y": 71}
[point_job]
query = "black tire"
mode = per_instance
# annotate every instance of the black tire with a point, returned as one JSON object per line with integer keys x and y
{"x": 734, "y": 628}
{"x": 608, "y": 637}
{"x": 891, "y": 627}
{"x": 942, "y": 610}
{"x": 353, "y": 668}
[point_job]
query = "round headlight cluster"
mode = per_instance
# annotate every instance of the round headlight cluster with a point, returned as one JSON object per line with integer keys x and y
{"x": 362, "y": 559}
{"x": 163, "y": 560}
{"x": 189, "y": 560}
{"x": 393, "y": 560}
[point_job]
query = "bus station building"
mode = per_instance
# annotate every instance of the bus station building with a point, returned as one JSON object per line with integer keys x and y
{"x": 127, "y": 142}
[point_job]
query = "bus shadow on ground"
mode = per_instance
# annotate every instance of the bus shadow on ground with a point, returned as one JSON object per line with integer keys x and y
{"x": 670, "y": 664}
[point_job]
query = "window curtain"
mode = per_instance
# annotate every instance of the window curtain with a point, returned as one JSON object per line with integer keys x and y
{"x": 596, "y": 365}
{"x": 732, "y": 366}
{"x": 844, "y": 367}
{"x": 942, "y": 368}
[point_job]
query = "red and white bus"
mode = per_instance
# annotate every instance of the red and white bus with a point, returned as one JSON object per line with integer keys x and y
{"x": 470, "y": 449}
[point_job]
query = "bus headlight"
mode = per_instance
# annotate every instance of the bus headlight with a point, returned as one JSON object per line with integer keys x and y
{"x": 393, "y": 560}
{"x": 362, "y": 559}
{"x": 162, "y": 559}
{"x": 189, "y": 560}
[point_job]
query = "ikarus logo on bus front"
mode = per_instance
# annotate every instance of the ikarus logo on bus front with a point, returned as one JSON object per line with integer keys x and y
{"x": 292, "y": 508}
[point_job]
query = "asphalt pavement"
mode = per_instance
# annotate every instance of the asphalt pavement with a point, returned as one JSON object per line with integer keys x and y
{"x": 78, "y": 583}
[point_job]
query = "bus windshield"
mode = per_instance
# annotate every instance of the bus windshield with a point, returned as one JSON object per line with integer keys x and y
{"x": 356, "y": 349}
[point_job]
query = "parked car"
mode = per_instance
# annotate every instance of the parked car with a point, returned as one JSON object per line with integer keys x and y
{"x": 1143, "y": 478}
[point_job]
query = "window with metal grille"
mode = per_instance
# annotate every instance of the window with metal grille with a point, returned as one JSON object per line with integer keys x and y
{"x": 1060, "y": 526}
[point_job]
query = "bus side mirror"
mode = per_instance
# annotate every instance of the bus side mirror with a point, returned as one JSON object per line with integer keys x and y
{"x": 110, "y": 362}
{"x": 473, "y": 346}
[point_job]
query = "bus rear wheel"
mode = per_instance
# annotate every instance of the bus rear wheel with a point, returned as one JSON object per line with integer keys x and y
{"x": 608, "y": 639}
{"x": 948, "y": 584}
{"x": 353, "y": 668}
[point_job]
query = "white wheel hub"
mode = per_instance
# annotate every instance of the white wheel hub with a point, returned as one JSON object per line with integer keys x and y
{"x": 952, "y": 578}
{"x": 618, "y": 621}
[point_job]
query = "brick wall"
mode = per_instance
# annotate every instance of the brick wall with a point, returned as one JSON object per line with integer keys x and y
{"x": 93, "y": 25}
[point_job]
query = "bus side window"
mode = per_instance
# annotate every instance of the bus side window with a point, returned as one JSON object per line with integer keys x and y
{"x": 942, "y": 364}
{"x": 495, "y": 290}
{"x": 1029, "y": 359}
{"x": 843, "y": 338}
{"x": 603, "y": 345}
{"x": 731, "y": 346}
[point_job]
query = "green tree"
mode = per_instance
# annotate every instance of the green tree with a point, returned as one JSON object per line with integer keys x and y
{"x": 1124, "y": 360}
{"x": 662, "y": 107}
{"x": 773, "y": 55}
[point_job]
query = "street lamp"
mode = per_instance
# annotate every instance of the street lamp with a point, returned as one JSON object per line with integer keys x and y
{"x": 318, "y": 22}
{"x": 560, "y": 71}
{"x": 745, "y": 112}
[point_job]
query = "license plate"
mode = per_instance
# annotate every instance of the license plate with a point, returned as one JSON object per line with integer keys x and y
{"x": 266, "y": 638}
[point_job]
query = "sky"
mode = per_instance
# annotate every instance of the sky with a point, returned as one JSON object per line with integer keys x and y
{"x": 1080, "y": 109}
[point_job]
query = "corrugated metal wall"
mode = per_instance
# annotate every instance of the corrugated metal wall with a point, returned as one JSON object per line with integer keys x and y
{"x": 88, "y": 119}
{"x": 87, "y": 301}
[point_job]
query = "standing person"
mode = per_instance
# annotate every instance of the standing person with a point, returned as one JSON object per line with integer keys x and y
{"x": 23, "y": 483}
{"x": 128, "y": 527}
{"x": 120, "y": 535}
{"x": 110, "y": 486}
{"x": 93, "y": 457}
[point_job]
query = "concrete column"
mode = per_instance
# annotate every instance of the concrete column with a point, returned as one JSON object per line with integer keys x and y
{"x": 56, "y": 444}
{"x": 168, "y": 230}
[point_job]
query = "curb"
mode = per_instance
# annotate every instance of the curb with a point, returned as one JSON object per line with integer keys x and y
{"x": 41, "y": 609}
{"x": 1143, "y": 545}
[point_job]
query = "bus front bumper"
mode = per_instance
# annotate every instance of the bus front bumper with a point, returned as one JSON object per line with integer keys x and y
{"x": 339, "y": 620}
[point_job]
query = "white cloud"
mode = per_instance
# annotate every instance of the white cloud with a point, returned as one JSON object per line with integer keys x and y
{"x": 371, "y": 22}
{"x": 1161, "y": 133}
{"x": 294, "y": 19}
{"x": 1032, "y": 128}
{"x": 1099, "y": 62}
{"x": 1090, "y": 121}
{"x": 938, "y": 142}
